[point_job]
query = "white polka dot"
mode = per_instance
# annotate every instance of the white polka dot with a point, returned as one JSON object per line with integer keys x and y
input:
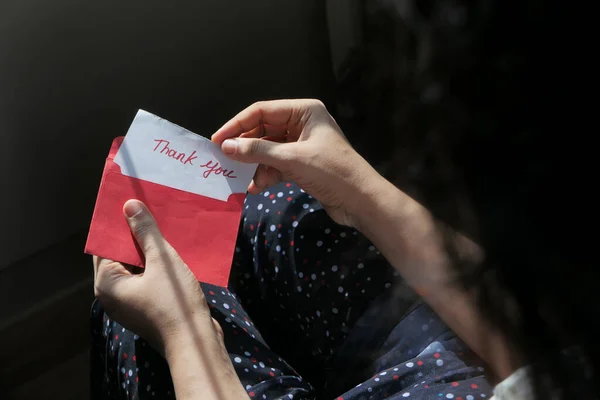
{"x": 295, "y": 224}
{"x": 318, "y": 313}
{"x": 469, "y": 397}
{"x": 334, "y": 268}
{"x": 425, "y": 327}
{"x": 278, "y": 248}
{"x": 267, "y": 210}
{"x": 300, "y": 275}
{"x": 299, "y": 288}
{"x": 383, "y": 373}
{"x": 449, "y": 396}
{"x": 388, "y": 285}
{"x": 266, "y": 194}
{"x": 395, "y": 369}
{"x": 319, "y": 243}
{"x": 328, "y": 231}
{"x": 312, "y": 210}
{"x": 237, "y": 360}
{"x": 226, "y": 306}
{"x": 439, "y": 363}
{"x": 343, "y": 234}
{"x": 334, "y": 310}
{"x": 262, "y": 364}
{"x": 247, "y": 354}
{"x": 370, "y": 389}
{"x": 305, "y": 206}
{"x": 280, "y": 194}
{"x": 273, "y": 227}
{"x": 260, "y": 206}
{"x": 276, "y": 269}
{"x": 361, "y": 266}
{"x": 376, "y": 379}
{"x": 405, "y": 394}
{"x": 483, "y": 395}
{"x": 410, "y": 365}
{"x": 371, "y": 248}
{"x": 148, "y": 388}
{"x": 313, "y": 277}
{"x": 341, "y": 289}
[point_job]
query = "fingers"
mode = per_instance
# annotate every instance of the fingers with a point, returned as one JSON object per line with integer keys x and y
{"x": 264, "y": 177}
{"x": 145, "y": 230}
{"x": 258, "y": 151}
{"x": 279, "y": 113}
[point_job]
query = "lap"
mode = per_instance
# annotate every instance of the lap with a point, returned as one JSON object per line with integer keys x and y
{"x": 308, "y": 281}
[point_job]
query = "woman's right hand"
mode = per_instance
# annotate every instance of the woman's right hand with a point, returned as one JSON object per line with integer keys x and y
{"x": 299, "y": 141}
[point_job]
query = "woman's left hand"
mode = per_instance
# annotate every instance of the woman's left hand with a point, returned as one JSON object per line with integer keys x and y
{"x": 164, "y": 303}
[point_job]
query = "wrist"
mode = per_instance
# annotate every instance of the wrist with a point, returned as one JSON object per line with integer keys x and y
{"x": 197, "y": 334}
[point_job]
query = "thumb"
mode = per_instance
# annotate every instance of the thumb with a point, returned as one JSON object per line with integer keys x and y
{"x": 144, "y": 228}
{"x": 257, "y": 151}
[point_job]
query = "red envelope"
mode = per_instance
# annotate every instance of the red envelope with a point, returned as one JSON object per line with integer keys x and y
{"x": 202, "y": 229}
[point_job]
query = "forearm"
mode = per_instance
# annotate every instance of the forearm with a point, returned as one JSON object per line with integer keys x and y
{"x": 407, "y": 234}
{"x": 201, "y": 368}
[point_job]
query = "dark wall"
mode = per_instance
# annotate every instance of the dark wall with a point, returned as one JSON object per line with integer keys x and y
{"x": 73, "y": 74}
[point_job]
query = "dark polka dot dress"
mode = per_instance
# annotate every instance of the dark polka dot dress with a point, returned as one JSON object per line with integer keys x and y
{"x": 313, "y": 311}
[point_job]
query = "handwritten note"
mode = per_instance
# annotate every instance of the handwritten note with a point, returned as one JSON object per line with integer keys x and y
{"x": 159, "y": 151}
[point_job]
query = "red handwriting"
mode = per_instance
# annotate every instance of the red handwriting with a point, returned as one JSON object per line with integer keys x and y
{"x": 212, "y": 167}
{"x": 217, "y": 170}
{"x": 173, "y": 153}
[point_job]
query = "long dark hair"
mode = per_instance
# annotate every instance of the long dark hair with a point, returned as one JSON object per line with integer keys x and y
{"x": 459, "y": 104}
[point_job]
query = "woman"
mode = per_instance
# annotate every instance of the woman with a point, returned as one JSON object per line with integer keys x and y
{"x": 412, "y": 355}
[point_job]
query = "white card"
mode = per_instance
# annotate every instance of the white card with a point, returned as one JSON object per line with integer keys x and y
{"x": 159, "y": 151}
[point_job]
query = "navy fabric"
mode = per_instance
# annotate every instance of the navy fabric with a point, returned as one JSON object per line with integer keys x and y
{"x": 326, "y": 302}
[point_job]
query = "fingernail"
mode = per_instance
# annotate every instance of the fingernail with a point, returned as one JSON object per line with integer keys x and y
{"x": 229, "y": 146}
{"x": 132, "y": 208}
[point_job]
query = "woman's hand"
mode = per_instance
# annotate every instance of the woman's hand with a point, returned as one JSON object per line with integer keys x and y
{"x": 164, "y": 304}
{"x": 298, "y": 140}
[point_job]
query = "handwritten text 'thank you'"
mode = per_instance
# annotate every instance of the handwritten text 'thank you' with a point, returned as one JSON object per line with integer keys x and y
{"x": 210, "y": 167}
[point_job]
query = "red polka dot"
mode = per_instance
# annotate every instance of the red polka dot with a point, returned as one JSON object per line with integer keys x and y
{"x": 271, "y": 373}
{"x": 125, "y": 355}
{"x": 233, "y": 311}
{"x": 272, "y": 196}
{"x": 279, "y": 226}
{"x": 436, "y": 355}
{"x": 340, "y": 398}
{"x": 419, "y": 362}
{"x": 292, "y": 243}
{"x": 426, "y": 386}
{"x": 459, "y": 398}
{"x": 278, "y": 212}
{"x": 294, "y": 217}
{"x": 251, "y": 227}
{"x": 288, "y": 185}
{"x": 134, "y": 358}
{"x": 253, "y": 360}
{"x": 251, "y": 394}
{"x": 137, "y": 379}
{"x": 289, "y": 199}
{"x": 116, "y": 337}
{"x": 211, "y": 292}
{"x": 396, "y": 377}
{"x": 455, "y": 384}
{"x": 474, "y": 385}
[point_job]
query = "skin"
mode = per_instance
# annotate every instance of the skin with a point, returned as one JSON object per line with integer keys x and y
{"x": 291, "y": 140}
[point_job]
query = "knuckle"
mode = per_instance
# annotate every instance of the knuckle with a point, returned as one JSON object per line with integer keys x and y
{"x": 254, "y": 147}
{"x": 143, "y": 228}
